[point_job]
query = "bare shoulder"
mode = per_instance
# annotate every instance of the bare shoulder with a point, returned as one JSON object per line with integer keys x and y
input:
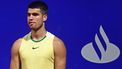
{"x": 58, "y": 42}
{"x": 16, "y": 45}
{"x": 59, "y": 46}
{"x": 15, "y": 54}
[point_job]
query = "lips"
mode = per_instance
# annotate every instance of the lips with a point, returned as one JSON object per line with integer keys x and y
{"x": 31, "y": 22}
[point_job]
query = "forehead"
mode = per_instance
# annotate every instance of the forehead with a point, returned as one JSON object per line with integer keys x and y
{"x": 34, "y": 10}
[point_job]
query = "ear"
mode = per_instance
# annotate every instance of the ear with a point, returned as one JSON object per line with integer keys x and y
{"x": 44, "y": 17}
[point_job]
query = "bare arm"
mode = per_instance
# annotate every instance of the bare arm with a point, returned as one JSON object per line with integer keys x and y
{"x": 15, "y": 55}
{"x": 59, "y": 54}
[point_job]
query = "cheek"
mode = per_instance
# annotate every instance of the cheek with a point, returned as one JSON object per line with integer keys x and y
{"x": 39, "y": 19}
{"x": 27, "y": 18}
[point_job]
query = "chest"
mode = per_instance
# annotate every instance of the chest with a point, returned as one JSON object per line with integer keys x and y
{"x": 36, "y": 50}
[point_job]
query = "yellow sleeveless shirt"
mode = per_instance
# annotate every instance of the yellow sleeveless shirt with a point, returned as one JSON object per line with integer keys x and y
{"x": 37, "y": 55}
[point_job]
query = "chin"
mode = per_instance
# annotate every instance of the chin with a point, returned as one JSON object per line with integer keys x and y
{"x": 33, "y": 28}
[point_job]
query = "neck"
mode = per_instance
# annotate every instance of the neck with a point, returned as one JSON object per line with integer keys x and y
{"x": 38, "y": 34}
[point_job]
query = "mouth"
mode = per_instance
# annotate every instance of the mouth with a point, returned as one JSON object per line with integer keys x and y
{"x": 31, "y": 23}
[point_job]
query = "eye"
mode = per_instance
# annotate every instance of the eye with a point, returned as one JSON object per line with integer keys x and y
{"x": 35, "y": 14}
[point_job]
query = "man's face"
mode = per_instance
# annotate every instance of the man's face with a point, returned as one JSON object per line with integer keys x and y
{"x": 36, "y": 18}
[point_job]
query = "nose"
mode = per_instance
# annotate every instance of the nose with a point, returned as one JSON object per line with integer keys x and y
{"x": 30, "y": 16}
